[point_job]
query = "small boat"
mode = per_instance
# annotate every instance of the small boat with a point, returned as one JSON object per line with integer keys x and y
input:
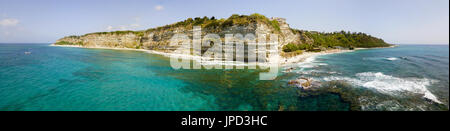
{"x": 27, "y": 52}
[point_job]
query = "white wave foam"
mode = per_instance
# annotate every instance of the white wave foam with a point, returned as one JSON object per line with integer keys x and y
{"x": 389, "y": 84}
{"x": 307, "y": 66}
{"x": 332, "y": 72}
{"x": 391, "y": 58}
{"x": 306, "y": 72}
{"x": 310, "y": 62}
{"x": 307, "y": 62}
{"x": 232, "y": 63}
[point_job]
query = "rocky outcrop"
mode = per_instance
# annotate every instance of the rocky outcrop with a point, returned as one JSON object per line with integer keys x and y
{"x": 288, "y": 36}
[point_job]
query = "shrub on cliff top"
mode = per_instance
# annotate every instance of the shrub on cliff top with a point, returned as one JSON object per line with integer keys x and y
{"x": 291, "y": 47}
{"x": 68, "y": 43}
{"x": 206, "y": 22}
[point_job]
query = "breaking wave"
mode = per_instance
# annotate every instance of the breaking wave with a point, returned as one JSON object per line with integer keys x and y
{"x": 389, "y": 84}
{"x": 310, "y": 62}
{"x": 391, "y": 58}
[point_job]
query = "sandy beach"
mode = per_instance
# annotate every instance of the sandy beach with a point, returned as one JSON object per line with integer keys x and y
{"x": 282, "y": 61}
{"x": 306, "y": 55}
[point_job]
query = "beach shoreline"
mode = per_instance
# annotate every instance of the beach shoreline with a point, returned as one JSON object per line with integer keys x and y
{"x": 282, "y": 61}
{"x": 111, "y": 48}
{"x": 202, "y": 60}
{"x": 302, "y": 57}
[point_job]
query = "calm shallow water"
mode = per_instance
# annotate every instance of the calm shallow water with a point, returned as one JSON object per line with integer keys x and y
{"x": 56, "y": 78}
{"x": 59, "y": 78}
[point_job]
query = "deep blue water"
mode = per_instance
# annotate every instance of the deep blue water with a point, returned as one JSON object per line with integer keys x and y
{"x": 61, "y": 78}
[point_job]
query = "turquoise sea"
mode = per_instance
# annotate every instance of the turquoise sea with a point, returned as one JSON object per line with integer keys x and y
{"x": 407, "y": 77}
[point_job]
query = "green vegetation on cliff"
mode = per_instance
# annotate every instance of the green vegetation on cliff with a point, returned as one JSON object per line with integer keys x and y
{"x": 212, "y": 24}
{"x": 217, "y": 25}
{"x": 138, "y": 33}
{"x": 67, "y": 43}
{"x": 335, "y": 39}
{"x": 294, "y": 47}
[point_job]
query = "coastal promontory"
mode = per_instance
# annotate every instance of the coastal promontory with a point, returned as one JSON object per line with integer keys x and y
{"x": 291, "y": 41}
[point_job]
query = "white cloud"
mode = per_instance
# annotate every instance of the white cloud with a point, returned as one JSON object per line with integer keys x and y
{"x": 9, "y": 22}
{"x": 134, "y": 26}
{"x": 159, "y": 7}
{"x": 137, "y": 19}
{"x": 6, "y": 33}
{"x": 109, "y": 28}
{"x": 123, "y": 27}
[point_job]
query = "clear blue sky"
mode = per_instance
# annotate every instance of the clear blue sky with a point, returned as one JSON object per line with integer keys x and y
{"x": 395, "y": 21}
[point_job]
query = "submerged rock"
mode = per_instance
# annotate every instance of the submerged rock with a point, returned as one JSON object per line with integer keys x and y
{"x": 303, "y": 83}
{"x": 288, "y": 70}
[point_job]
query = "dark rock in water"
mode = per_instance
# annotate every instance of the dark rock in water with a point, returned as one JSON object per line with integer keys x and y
{"x": 289, "y": 69}
{"x": 303, "y": 83}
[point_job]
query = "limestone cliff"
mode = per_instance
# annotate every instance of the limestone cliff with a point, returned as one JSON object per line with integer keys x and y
{"x": 289, "y": 40}
{"x": 158, "y": 38}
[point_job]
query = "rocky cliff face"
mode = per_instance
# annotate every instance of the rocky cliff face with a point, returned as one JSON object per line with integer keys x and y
{"x": 159, "y": 38}
{"x": 288, "y": 35}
